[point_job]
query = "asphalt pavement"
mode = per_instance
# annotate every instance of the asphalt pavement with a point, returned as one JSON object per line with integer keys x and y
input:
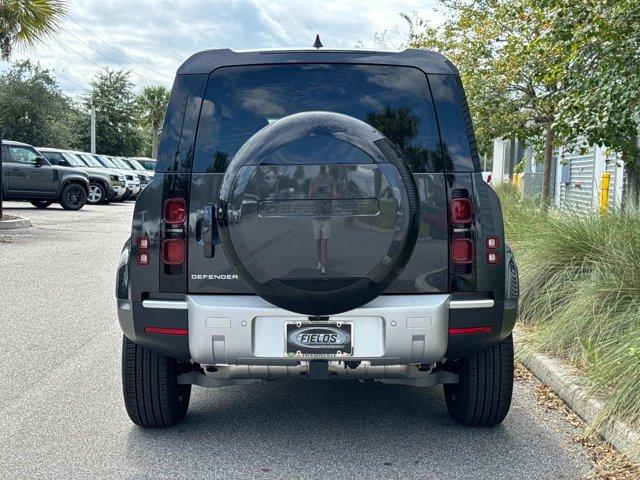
{"x": 62, "y": 415}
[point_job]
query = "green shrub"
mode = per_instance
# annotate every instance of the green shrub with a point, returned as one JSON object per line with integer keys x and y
{"x": 580, "y": 290}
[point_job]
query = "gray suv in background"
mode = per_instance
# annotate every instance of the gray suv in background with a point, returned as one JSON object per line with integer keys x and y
{"x": 104, "y": 185}
{"x": 28, "y": 175}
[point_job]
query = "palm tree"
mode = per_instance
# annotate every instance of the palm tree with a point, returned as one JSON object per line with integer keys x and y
{"x": 25, "y": 22}
{"x": 152, "y": 102}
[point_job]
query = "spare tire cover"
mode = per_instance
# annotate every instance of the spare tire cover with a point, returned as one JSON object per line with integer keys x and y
{"x": 318, "y": 213}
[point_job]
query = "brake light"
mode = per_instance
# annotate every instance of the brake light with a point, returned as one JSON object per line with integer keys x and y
{"x": 460, "y": 210}
{"x": 173, "y": 251}
{"x": 462, "y": 251}
{"x": 175, "y": 211}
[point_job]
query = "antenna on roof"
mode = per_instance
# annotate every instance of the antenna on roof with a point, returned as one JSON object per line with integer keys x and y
{"x": 317, "y": 43}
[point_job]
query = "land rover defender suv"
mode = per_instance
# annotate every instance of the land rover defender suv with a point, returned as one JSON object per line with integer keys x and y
{"x": 28, "y": 175}
{"x": 104, "y": 186}
{"x": 317, "y": 214}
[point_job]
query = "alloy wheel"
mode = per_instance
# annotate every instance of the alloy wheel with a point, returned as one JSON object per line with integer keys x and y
{"x": 95, "y": 194}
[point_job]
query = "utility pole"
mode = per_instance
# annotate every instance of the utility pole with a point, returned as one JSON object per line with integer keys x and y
{"x": 0, "y": 174}
{"x": 93, "y": 126}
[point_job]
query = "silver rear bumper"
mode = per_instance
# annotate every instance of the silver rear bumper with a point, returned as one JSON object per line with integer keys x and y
{"x": 247, "y": 330}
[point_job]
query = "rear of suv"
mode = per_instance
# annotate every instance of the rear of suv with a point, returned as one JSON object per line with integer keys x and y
{"x": 317, "y": 214}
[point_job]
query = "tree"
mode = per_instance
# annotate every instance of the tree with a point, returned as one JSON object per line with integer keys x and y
{"x": 117, "y": 131}
{"x": 34, "y": 110}
{"x": 27, "y": 21}
{"x": 602, "y": 100}
{"x": 152, "y": 103}
{"x": 511, "y": 66}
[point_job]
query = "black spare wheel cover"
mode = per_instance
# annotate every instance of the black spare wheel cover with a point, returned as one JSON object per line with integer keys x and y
{"x": 318, "y": 213}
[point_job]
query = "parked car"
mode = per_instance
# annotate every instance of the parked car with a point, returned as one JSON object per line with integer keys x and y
{"x": 27, "y": 175}
{"x": 139, "y": 168}
{"x": 148, "y": 163}
{"x": 286, "y": 238}
{"x": 104, "y": 185}
{"x": 132, "y": 180}
{"x": 141, "y": 173}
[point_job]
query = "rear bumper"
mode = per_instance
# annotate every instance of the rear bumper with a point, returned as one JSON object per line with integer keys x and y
{"x": 247, "y": 330}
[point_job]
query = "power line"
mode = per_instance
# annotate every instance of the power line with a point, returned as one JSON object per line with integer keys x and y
{"x": 66, "y": 47}
{"x": 119, "y": 51}
{"x": 83, "y": 87}
{"x": 94, "y": 49}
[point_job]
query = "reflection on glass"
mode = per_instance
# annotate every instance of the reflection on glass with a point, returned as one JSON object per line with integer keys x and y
{"x": 242, "y": 100}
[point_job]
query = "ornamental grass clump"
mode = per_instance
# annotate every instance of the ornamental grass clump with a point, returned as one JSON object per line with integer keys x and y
{"x": 580, "y": 293}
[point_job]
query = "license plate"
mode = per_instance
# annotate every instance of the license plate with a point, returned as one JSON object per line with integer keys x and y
{"x": 319, "y": 339}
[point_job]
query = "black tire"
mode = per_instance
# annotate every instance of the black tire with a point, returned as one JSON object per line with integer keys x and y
{"x": 97, "y": 194}
{"x": 73, "y": 197}
{"x": 483, "y": 395}
{"x": 41, "y": 203}
{"x": 152, "y": 396}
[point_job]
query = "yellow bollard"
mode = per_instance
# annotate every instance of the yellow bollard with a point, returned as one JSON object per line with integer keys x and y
{"x": 604, "y": 192}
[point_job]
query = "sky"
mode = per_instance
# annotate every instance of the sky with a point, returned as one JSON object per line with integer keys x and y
{"x": 152, "y": 38}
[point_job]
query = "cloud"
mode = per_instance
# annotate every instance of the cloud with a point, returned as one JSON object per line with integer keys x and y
{"x": 153, "y": 38}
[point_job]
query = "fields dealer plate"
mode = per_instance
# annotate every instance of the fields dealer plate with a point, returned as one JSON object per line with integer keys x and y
{"x": 319, "y": 339}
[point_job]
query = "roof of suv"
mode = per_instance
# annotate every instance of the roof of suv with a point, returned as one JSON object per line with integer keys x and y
{"x": 12, "y": 142}
{"x": 208, "y": 60}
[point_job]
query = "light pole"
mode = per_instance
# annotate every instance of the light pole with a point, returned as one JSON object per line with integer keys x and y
{"x": 93, "y": 126}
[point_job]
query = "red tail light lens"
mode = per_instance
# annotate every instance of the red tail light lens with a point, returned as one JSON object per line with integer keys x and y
{"x": 461, "y": 211}
{"x": 173, "y": 251}
{"x": 175, "y": 210}
{"x": 462, "y": 250}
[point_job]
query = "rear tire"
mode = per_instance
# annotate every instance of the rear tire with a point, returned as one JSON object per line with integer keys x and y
{"x": 152, "y": 396}
{"x": 483, "y": 395}
{"x": 41, "y": 203}
{"x": 73, "y": 197}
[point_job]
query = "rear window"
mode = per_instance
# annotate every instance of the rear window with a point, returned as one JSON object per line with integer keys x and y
{"x": 239, "y": 101}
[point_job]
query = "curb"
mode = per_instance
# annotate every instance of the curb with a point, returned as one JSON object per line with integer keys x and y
{"x": 573, "y": 389}
{"x": 19, "y": 222}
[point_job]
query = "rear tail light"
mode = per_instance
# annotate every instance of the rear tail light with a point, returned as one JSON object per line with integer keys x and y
{"x": 142, "y": 243}
{"x": 492, "y": 242}
{"x": 493, "y": 258}
{"x": 142, "y": 258}
{"x": 173, "y": 251}
{"x": 462, "y": 251}
{"x": 175, "y": 211}
{"x": 461, "y": 211}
